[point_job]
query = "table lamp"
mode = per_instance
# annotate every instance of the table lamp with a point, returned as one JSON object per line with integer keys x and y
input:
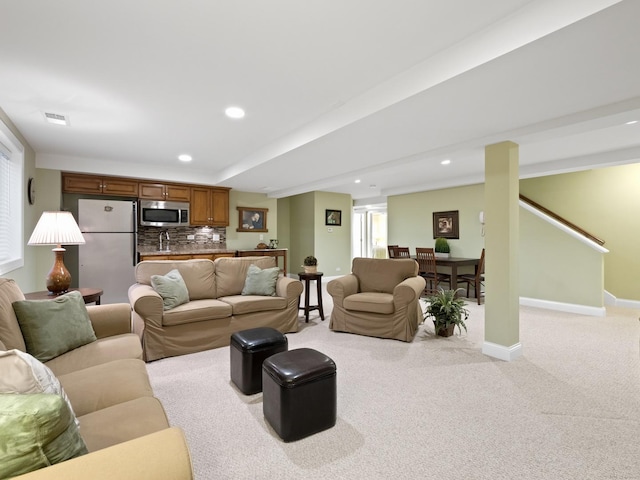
{"x": 57, "y": 228}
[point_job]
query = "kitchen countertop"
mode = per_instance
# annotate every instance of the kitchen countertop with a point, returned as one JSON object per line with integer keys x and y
{"x": 183, "y": 250}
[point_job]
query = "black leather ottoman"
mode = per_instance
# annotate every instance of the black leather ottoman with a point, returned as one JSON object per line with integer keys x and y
{"x": 249, "y": 348}
{"x": 299, "y": 393}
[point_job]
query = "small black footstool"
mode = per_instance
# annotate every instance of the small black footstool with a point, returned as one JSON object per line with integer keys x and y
{"x": 249, "y": 348}
{"x": 299, "y": 393}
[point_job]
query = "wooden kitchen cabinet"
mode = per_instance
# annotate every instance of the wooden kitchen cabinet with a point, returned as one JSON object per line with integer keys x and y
{"x": 164, "y": 191}
{"x": 209, "y": 206}
{"x": 99, "y": 185}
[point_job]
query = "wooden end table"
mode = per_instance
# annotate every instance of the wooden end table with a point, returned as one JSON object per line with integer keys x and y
{"x": 89, "y": 295}
{"x": 306, "y": 278}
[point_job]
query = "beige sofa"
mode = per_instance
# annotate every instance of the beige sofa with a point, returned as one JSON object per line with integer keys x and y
{"x": 379, "y": 298}
{"x": 108, "y": 387}
{"x": 215, "y": 310}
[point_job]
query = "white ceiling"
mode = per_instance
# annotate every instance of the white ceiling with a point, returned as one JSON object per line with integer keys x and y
{"x": 334, "y": 90}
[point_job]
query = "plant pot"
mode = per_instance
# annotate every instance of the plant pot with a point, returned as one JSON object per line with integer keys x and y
{"x": 310, "y": 269}
{"x": 442, "y": 255}
{"x": 444, "y": 331}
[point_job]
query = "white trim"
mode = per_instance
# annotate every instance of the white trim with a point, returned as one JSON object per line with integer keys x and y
{"x": 563, "y": 227}
{"x": 563, "y": 307}
{"x": 501, "y": 352}
{"x": 610, "y": 299}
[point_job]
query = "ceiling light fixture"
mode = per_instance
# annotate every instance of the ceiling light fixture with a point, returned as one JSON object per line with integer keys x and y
{"x": 234, "y": 112}
{"x": 185, "y": 158}
{"x": 632, "y": 122}
{"x": 56, "y": 118}
{"x": 357, "y": 181}
{"x": 445, "y": 162}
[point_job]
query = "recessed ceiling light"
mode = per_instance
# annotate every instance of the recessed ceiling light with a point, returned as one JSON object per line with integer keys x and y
{"x": 56, "y": 118}
{"x": 185, "y": 158}
{"x": 631, "y": 122}
{"x": 234, "y": 112}
{"x": 445, "y": 162}
{"x": 357, "y": 181}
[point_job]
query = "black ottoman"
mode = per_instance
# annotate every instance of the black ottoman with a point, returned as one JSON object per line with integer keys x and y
{"x": 248, "y": 350}
{"x": 299, "y": 393}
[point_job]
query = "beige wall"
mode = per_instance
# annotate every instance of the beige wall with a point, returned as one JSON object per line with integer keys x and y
{"x": 606, "y": 203}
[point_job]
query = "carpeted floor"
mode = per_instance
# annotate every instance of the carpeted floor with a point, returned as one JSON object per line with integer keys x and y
{"x": 436, "y": 408}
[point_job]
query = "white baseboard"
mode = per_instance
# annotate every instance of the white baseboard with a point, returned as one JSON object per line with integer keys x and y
{"x": 501, "y": 352}
{"x": 610, "y": 299}
{"x": 564, "y": 307}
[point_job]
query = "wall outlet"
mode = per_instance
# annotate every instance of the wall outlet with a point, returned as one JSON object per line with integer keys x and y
{"x": 215, "y": 237}
{"x": 338, "y": 269}
{"x": 191, "y": 237}
{"x": 261, "y": 237}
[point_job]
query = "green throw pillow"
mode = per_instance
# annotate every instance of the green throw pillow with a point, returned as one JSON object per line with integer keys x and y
{"x": 171, "y": 288}
{"x": 38, "y": 430}
{"x": 53, "y": 327}
{"x": 261, "y": 282}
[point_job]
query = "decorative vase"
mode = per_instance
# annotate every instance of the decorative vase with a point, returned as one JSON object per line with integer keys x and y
{"x": 444, "y": 331}
{"x": 310, "y": 268}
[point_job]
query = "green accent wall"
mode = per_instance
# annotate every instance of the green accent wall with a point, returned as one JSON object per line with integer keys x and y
{"x": 606, "y": 203}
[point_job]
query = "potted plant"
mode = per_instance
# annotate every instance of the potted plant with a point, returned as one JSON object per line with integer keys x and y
{"x": 310, "y": 264}
{"x": 442, "y": 249}
{"x": 447, "y": 311}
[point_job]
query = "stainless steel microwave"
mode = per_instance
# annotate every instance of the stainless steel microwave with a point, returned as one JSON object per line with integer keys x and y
{"x": 158, "y": 213}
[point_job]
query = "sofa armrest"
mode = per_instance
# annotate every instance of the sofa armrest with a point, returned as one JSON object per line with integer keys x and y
{"x": 407, "y": 291}
{"x": 289, "y": 288}
{"x": 109, "y": 320}
{"x": 340, "y": 288}
{"x": 147, "y": 303}
{"x": 163, "y": 455}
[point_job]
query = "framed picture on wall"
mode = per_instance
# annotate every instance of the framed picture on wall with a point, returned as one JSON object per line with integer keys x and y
{"x": 333, "y": 217}
{"x": 445, "y": 224}
{"x": 252, "y": 219}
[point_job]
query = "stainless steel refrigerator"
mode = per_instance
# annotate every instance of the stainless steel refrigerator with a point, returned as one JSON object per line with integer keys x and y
{"x": 108, "y": 258}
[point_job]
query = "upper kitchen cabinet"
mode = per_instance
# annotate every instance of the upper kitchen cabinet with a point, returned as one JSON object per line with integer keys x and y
{"x": 162, "y": 191}
{"x": 99, "y": 185}
{"x": 210, "y": 206}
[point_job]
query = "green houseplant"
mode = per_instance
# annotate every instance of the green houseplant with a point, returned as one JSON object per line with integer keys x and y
{"x": 310, "y": 264}
{"x": 442, "y": 248}
{"x": 447, "y": 311}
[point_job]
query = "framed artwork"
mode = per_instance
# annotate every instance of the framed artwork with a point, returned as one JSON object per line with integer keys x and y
{"x": 252, "y": 219}
{"x": 333, "y": 217}
{"x": 445, "y": 224}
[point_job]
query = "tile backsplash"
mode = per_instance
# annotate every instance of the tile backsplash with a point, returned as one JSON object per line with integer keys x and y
{"x": 149, "y": 236}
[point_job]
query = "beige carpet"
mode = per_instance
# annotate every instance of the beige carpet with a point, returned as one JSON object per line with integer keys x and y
{"x": 435, "y": 408}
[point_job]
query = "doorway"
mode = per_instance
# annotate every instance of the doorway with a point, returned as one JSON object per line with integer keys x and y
{"x": 369, "y": 235}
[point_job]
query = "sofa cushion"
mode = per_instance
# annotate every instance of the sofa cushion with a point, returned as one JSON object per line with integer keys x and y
{"x": 171, "y": 288}
{"x": 22, "y": 373}
{"x": 370, "y": 302}
{"x": 197, "y": 275}
{"x": 196, "y": 311}
{"x": 53, "y": 327}
{"x": 122, "y": 422}
{"x": 261, "y": 281}
{"x": 96, "y": 353}
{"x": 254, "y": 303}
{"x": 231, "y": 273}
{"x": 37, "y": 430}
{"x": 382, "y": 275}
{"x": 10, "y": 333}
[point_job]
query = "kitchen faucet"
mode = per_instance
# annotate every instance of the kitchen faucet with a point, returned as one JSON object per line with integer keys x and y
{"x": 166, "y": 234}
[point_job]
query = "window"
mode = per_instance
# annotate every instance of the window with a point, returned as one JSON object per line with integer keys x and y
{"x": 11, "y": 201}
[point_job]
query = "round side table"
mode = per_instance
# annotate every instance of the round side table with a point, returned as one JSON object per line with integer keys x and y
{"x": 306, "y": 278}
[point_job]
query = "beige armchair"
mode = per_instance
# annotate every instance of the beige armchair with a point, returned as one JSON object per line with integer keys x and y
{"x": 379, "y": 298}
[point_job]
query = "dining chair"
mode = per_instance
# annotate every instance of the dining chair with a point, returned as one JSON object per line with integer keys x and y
{"x": 427, "y": 269}
{"x": 476, "y": 279}
{"x": 402, "y": 252}
{"x": 392, "y": 250}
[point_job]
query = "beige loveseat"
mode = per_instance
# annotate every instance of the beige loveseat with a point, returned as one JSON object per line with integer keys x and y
{"x": 122, "y": 424}
{"x": 216, "y": 308}
{"x": 379, "y": 298}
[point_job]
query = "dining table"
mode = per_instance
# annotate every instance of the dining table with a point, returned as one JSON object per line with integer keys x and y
{"x": 454, "y": 263}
